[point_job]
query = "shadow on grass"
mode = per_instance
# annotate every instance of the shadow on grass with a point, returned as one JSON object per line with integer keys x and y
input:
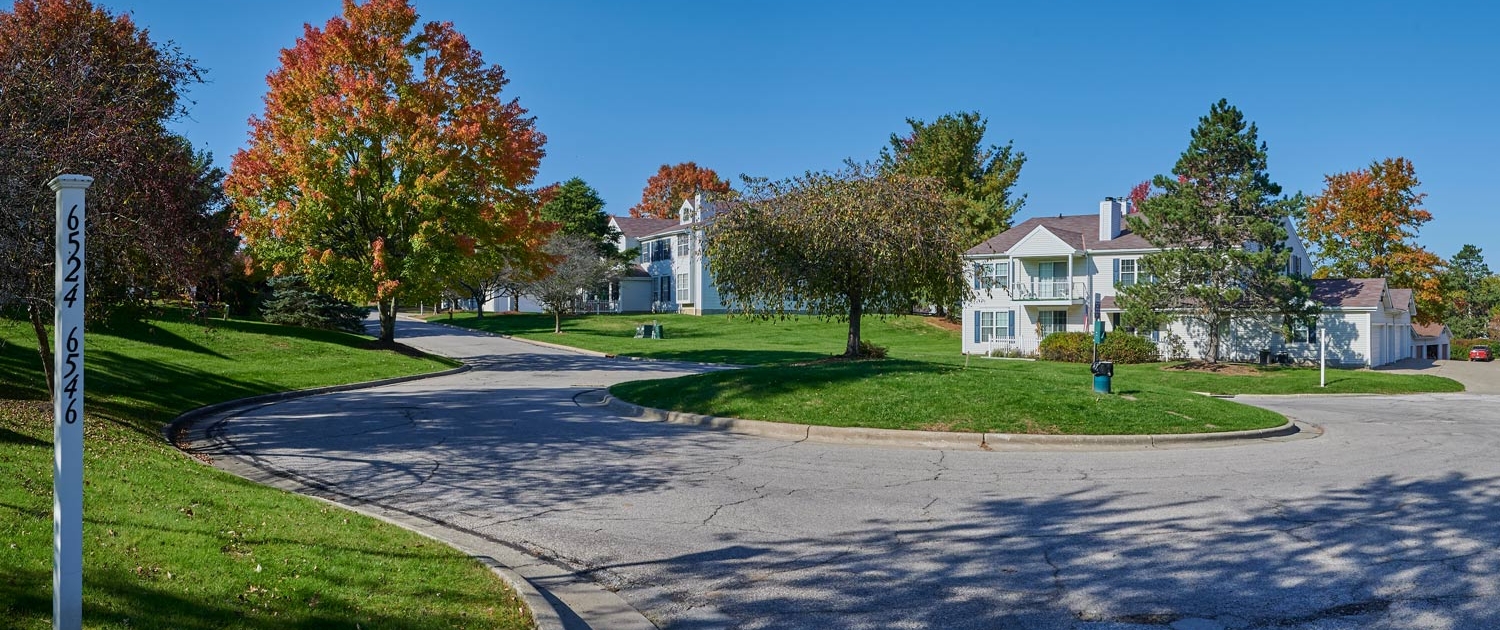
{"x": 122, "y": 598}
{"x": 759, "y": 383}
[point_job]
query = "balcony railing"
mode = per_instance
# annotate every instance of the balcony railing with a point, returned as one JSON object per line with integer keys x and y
{"x": 1048, "y": 290}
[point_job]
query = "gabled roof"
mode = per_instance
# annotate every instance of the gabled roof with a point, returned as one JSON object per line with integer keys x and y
{"x": 636, "y": 227}
{"x": 1349, "y": 292}
{"x": 1429, "y": 331}
{"x": 1079, "y": 230}
{"x": 1401, "y": 298}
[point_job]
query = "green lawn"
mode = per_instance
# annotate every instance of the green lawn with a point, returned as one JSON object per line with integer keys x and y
{"x": 171, "y": 543}
{"x": 925, "y": 384}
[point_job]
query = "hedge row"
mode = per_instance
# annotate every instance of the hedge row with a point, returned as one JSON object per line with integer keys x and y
{"x": 1078, "y": 347}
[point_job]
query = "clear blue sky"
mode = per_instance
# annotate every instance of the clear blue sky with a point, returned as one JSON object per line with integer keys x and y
{"x": 1099, "y": 95}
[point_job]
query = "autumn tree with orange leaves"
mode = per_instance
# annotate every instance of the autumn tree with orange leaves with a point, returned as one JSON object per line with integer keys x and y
{"x": 1365, "y": 224}
{"x": 671, "y": 185}
{"x": 386, "y": 158}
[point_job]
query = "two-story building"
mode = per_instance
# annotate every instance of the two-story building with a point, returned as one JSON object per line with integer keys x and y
{"x": 671, "y": 273}
{"x": 1053, "y": 274}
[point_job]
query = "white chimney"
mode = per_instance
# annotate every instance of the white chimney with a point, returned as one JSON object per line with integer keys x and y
{"x": 1109, "y": 218}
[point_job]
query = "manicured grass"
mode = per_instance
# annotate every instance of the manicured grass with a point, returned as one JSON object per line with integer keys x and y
{"x": 171, "y": 543}
{"x": 925, "y": 384}
{"x": 721, "y": 339}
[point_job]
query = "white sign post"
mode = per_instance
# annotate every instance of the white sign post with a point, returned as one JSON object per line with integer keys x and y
{"x": 1322, "y": 359}
{"x": 67, "y": 406}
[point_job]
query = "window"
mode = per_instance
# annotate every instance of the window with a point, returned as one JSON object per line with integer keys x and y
{"x": 1128, "y": 272}
{"x": 994, "y": 326}
{"x": 1052, "y": 321}
{"x": 994, "y": 275}
{"x": 1304, "y": 332}
{"x": 682, "y": 246}
{"x": 661, "y": 289}
{"x": 1296, "y": 265}
{"x": 661, "y": 249}
{"x": 683, "y": 292}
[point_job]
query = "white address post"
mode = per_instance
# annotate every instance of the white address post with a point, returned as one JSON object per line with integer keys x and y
{"x": 67, "y": 406}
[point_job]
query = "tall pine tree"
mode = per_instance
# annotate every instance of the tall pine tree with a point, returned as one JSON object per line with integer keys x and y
{"x": 1221, "y": 225}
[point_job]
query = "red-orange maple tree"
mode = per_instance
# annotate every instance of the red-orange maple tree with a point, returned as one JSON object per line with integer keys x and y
{"x": 1365, "y": 224}
{"x": 385, "y": 157}
{"x": 671, "y": 185}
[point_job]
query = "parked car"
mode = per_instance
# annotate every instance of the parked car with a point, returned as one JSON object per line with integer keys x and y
{"x": 1481, "y": 353}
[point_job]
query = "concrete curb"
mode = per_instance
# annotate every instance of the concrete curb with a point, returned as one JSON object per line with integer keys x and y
{"x": 944, "y": 440}
{"x": 177, "y": 434}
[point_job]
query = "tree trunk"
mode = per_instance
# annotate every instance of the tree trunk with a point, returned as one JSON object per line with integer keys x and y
{"x": 1213, "y": 341}
{"x": 479, "y": 304}
{"x": 39, "y": 326}
{"x": 557, "y": 322}
{"x": 856, "y": 308}
{"x": 388, "y": 320}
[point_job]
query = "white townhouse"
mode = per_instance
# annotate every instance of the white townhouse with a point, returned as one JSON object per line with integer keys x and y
{"x": 1053, "y": 274}
{"x": 671, "y": 274}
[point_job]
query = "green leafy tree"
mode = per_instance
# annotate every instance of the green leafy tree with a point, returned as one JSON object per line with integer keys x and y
{"x": 838, "y": 245}
{"x": 577, "y": 209}
{"x": 977, "y": 179}
{"x": 1467, "y": 285}
{"x": 1222, "y": 230}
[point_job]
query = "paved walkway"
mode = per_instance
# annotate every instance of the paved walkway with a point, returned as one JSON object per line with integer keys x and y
{"x": 1387, "y": 521}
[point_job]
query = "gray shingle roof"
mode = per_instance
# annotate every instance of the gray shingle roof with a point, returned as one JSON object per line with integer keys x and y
{"x": 636, "y": 227}
{"x": 1078, "y": 230}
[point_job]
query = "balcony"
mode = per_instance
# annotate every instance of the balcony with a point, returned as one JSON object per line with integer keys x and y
{"x": 1054, "y": 291}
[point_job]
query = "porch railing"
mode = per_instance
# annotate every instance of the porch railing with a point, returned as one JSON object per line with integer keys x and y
{"x": 1048, "y": 290}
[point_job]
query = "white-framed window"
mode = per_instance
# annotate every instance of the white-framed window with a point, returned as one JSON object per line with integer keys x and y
{"x": 993, "y": 275}
{"x": 1129, "y": 272}
{"x": 1304, "y": 332}
{"x": 682, "y": 246}
{"x": 1052, "y": 321}
{"x": 994, "y": 326}
{"x": 1296, "y": 265}
{"x": 684, "y": 292}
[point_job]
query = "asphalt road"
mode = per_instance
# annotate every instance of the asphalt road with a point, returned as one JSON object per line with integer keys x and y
{"x": 1388, "y": 520}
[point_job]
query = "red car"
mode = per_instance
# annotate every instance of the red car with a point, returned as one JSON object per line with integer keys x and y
{"x": 1481, "y": 353}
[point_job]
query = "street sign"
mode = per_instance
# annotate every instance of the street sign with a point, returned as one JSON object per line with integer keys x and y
{"x": 67, "y": 405}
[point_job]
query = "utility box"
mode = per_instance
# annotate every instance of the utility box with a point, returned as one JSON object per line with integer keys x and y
{"x": 1104, "y": 373}
{"x": 648, "y": 331}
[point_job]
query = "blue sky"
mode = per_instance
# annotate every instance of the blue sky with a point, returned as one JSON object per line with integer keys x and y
{"x": 1099, "y": 95}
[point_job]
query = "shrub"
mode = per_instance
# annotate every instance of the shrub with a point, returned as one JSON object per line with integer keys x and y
{"x": 1071, "y": 347}
{"x": 293, "y": 303}
{"x": 869, "y": 350}
{"x": 1127, "y": 348}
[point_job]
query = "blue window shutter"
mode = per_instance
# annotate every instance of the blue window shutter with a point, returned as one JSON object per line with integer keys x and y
{"x": 977, "y": 270}
{"x": 1312, "y": 332}
{"x": 1117, "y": 273}
{"x": 1010, "y": 328}
{"x": 976, "y": 326}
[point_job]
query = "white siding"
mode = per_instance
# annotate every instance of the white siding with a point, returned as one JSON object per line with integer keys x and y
{"x": 1041, "y": 243}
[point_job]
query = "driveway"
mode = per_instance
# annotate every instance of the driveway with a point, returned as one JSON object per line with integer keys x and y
{"x": 1389, "y": 520}
{"x": 1477, "y": 377}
